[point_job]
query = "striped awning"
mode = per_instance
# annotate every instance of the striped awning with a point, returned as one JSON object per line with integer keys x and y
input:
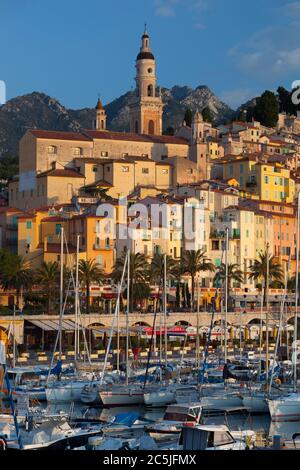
{"x": 54, "y": 325}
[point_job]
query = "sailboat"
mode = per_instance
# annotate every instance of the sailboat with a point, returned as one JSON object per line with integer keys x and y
{"x": 287, "y": 408}
{"x": 128, "y": 393}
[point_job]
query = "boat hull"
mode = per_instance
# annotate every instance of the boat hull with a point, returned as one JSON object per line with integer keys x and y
{"x": 284, "y": 410}
{"x": 111, "y": 398}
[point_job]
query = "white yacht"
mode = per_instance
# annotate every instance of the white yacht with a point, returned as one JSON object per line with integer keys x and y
{"x": 286, "y": 408}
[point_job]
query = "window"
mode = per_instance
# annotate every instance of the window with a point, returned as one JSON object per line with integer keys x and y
{"x": 108, "y": 169}
{"x": 266, "y": 179}
{"x": 150, "y": 70}
{"x": 125, "y": 169}
{"x": 99, "y": 260}
{"x": 145, "y": 170}
{"x": 28, "y": 224}
{"x": 78, "y": 151}
{"x": 104, "y": 154}
{"x": 95, "y": 169}
{"x": 52, "y": 150}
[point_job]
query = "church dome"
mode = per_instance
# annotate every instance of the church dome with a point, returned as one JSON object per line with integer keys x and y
{"x": 145, "y": 55}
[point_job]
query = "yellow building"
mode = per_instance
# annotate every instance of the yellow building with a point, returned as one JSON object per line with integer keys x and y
{"x": 96, "y": 239}
{"x": 270, "y": 181}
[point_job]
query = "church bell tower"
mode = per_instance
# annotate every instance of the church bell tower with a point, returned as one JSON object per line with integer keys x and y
{"x": 147, "y": 109}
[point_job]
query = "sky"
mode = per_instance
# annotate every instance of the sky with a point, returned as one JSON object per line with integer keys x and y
{"x": 74, "y": 50}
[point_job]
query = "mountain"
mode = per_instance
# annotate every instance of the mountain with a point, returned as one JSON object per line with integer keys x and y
{"x": 37, "y": 110}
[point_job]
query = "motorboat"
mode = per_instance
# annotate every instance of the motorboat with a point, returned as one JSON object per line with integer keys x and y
{"x": 215, "y": 437}
{"x": 174, "y": 418}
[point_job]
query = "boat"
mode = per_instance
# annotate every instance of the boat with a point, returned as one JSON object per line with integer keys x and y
{"x": 215, "y": 437}
{"x": 126, "y": 425}
{"x": 256, "y": 403}
{"x": 54, "y": 435}
{"x": 286, "y": 408}
{"x": 174, "y": 418}
{"x": 65, "y": 391}
{"x": 166, "y": 395}
{"x": 120, "y": 395}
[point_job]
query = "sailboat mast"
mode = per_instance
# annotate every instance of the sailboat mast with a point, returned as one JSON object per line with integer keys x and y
{"x": 127, "y": 315}
{"x": 267, "y": 315}
{"x": 165, "y": 309}
{"x": 77, "y": 348}
{"x": 226, "y": 294}
{"x": 61, "y": 289}
{"x": 296, "y": 298}
{"x": 197, "y": 337}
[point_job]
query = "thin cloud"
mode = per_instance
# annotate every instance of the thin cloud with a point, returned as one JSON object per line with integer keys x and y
{"x": 168, "y": 8}
{"x": 234, "y": 98}
{"x": 271, "y": 53}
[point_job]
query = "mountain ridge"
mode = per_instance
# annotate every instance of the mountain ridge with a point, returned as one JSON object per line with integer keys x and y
{"x": 38, "y": 110}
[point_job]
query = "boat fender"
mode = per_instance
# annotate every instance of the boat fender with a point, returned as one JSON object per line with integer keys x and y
{"x": 3, "y": 443}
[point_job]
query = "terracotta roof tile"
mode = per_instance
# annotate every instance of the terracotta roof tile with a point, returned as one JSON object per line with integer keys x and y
{"x": 67, "y": 173}
{"x": 126, "y": 136}
{"x": 58, "y": 135}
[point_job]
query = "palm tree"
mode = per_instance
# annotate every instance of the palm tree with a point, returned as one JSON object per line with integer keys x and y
{"x": 194, "y": 262}
{"x": 15, "y": 273}
{"x": 138, "y": 271}
{"x": 47, "y": 276}
{"x": 259, "y": 270}
{"x": 157, "y": 268}
{"x": 89, "y": 272}
{"x": 233, "y": 274}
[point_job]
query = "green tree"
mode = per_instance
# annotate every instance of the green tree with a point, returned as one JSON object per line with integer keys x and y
{"x": 207, "y": 115}
{"x": 48, "y": 278}
{"x": 285, "y": 101}
{"x": 267, "y": 109}
{"x": 188, "y": 117}
{"x": 195, "y": 262}
{"x": 234, "y": 274}
{"x": 15, "y": 273}
{"x": 89, "y": 273}
{"x": 9, "y": 167}
{"x": 259, "y": 270}
{"x": 138, "y": 272}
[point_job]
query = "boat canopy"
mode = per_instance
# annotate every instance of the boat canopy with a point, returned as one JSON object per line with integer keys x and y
{"x": 126, "y": 419}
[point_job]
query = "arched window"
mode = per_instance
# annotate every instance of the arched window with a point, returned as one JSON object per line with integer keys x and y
{"x": 150, "y": 90}
{"x": 102, "y": 124}
{"x": 136, "y": 127}
{"x": 151, "y": 127}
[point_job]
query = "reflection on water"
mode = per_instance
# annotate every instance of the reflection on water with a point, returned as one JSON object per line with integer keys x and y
{"x": 258, "y": 423}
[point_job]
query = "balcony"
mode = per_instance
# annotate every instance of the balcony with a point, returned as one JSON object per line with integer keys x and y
{"x": 103, "y": 247}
